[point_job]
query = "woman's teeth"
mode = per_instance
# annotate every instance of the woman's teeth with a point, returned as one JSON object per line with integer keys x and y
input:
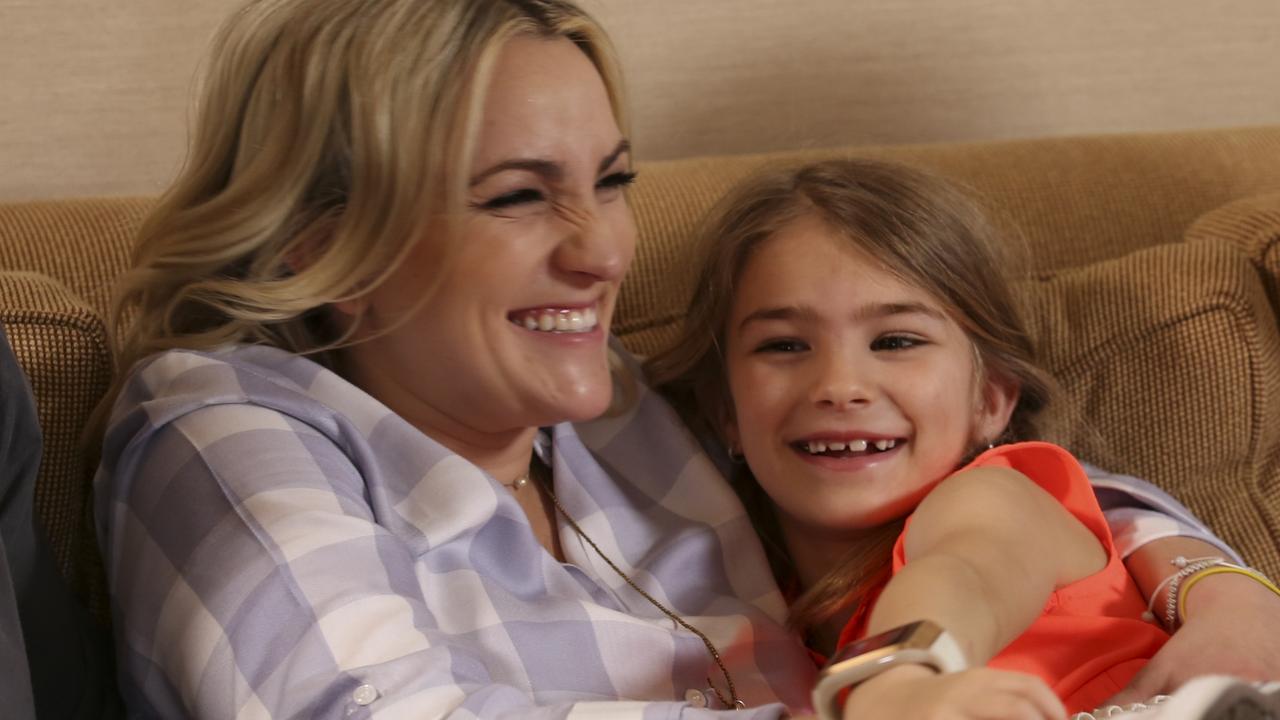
{"x": 818, "y": 448}
{"x": 557, "y": 321}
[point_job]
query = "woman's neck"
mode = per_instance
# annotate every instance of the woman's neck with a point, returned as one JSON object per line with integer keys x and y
{"x": 505, "y": 453}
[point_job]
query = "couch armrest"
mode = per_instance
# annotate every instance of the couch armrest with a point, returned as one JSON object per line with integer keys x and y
{"x": 62, "y": 345}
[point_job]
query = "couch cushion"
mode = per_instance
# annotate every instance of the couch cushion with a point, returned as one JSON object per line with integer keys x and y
{"x": 1171, "y": 360}
{"x": 1251, "y": 224}
{"x": 82, "y": 243}
{"x": 62, "y": 345}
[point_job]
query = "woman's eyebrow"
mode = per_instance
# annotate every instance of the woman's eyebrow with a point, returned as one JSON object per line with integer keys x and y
{"x": 549, "y": 169}
{"x": 624, "y": 146}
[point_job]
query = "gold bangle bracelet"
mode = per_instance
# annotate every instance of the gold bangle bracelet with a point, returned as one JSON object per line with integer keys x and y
{"x": 1218, "y": 570}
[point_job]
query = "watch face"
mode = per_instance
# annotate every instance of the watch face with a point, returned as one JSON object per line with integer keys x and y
{"x": 897, "y": 636}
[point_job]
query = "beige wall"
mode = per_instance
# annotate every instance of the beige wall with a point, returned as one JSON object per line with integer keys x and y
{"x": 93, "y": 93}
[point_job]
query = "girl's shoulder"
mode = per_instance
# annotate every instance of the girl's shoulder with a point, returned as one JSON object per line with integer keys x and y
{"x": 1042, "y": 462}
{"x": 1056, "y": 471}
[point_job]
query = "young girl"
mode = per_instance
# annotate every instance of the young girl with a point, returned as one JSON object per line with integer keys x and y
{"x": 853, "y": 341}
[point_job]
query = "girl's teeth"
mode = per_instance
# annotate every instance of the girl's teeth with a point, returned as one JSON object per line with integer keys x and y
{"x": 546, "y": 323}
{"x": 852, "y": 446}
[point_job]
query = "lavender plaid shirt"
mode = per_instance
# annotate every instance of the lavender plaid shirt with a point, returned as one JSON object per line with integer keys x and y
{"x": 281, "y": 545}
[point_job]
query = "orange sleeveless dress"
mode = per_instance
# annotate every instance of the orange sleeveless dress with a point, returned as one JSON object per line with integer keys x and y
{"x": 1090, "y": 639}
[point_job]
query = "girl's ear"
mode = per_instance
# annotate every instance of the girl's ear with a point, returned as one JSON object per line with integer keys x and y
{"x": 996, "y": 404}
{"x": 729, "y": 431}
{"x": 731, "y": 437}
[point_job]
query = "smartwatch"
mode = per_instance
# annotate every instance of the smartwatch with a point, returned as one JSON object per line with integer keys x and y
{"x": 921, "y": 643}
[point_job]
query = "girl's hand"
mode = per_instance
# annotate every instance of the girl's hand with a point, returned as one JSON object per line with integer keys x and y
{"x": 1226, "y": 631}
{"x": 914, "y": 691}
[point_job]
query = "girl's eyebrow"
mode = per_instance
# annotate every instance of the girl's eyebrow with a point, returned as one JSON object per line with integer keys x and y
{"x": 549, "y": 169}
{"x": 870, "y": 311}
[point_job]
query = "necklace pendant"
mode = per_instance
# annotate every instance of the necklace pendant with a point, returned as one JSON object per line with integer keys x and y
{"x": 519, "y": 482}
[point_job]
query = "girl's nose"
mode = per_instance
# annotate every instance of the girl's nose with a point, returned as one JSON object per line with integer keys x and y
{"x": 841, "y": 385}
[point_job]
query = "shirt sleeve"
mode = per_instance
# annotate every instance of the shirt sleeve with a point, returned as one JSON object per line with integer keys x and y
{"x": 1139, "y": 512}
{"x": 250, "y": 577}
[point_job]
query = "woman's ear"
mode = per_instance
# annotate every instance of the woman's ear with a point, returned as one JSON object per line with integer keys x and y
{"x": 352, "y": 308}
{"x": 308, "y": 250}
{"x": 998, "y": 399}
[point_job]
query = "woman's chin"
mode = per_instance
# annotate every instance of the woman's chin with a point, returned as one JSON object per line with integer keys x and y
{"x": 579, "y": 402}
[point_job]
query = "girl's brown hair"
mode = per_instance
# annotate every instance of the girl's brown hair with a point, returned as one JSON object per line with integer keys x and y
{"x": 919, "y": 228}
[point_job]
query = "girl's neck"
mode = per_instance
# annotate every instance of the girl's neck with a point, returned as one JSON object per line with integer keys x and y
{"x": 815, "y": 555}
{"x": 835, "y": 571}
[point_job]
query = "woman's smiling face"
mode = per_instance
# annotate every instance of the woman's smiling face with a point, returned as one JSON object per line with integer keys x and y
{"x": 853, "y": 392}
{"x": 514, "y": 336}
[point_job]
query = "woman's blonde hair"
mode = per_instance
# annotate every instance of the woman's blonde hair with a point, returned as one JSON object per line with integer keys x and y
{"x": 918, "y": 227}
{"x": 331, "y": 136}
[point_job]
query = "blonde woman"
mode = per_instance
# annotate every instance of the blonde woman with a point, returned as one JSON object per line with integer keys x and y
{"x": 340, "y": 474}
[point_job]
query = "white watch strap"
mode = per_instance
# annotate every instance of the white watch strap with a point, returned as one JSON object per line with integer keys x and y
{"x": 943, "y": 656}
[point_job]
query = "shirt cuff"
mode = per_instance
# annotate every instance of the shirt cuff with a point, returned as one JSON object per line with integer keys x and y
{"x": 1131, "y": 528}
{"x": 1139, "y": 512}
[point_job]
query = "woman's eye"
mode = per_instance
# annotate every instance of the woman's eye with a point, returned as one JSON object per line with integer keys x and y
{"x": 512, "y": 199}
{"x": 785, "y": 345}
{"x": 616, "y": 180}
{"x": 895, "y": 342}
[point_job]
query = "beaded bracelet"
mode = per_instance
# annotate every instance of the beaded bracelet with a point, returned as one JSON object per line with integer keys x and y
{"x": 1221, "y": 568}
{"x": 1185, "y": 568}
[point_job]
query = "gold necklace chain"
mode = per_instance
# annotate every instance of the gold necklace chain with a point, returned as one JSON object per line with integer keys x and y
{"x": 733, "y": 700}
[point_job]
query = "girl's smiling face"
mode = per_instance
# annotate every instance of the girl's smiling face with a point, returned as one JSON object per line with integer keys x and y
{"x": 853, "y": 392}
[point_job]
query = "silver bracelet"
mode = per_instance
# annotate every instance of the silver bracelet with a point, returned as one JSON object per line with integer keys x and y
{"x": 1189, "y": 568}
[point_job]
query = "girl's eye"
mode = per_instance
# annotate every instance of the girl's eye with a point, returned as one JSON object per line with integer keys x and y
{"x": 895, "y": 342}
{"x": 616, "y": 180}
{"x": 523, "y": 196}
{"x": 784, "y": 345}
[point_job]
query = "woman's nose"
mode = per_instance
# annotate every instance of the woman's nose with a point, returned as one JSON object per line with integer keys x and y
{"x": 598, "y": 243}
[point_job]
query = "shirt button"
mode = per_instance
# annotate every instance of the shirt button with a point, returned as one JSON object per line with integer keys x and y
{"x": 695, "y": 698}
{"x": 365, "y": 694}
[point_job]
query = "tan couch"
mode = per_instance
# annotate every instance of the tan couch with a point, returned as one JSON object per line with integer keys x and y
{"x": 1151, "y": 272}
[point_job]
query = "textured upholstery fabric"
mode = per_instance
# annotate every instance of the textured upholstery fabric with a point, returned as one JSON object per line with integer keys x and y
{"x": 1169, "y": 353}
{"x": 1251, "y": 224}
{"x": 1170, "y": 362}
{"x": 62, "y": 346}
{"x": 83, "y": 242}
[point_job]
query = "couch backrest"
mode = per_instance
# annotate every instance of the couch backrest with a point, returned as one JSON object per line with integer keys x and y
{"x": 1077, "y": 204}
{"x": 1069, "y": 201}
